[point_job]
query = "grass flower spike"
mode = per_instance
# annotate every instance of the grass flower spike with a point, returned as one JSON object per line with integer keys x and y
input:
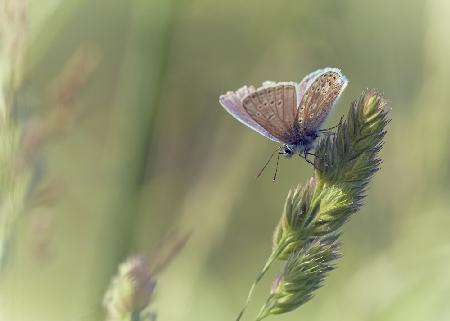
{"x": 130, "y": 291}
{"x": 303, "y": 273}
{"x": 306, "y": 235}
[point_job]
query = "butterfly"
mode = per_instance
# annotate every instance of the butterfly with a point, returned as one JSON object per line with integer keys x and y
{"x": 288, "y": 113}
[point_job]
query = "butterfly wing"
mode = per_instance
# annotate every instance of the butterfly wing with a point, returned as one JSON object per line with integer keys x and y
{"x": 309, "y": 78}
{"x": 321, "y": 90}
{"x": 274, "y": 107}
{"x": 232, "y": 103}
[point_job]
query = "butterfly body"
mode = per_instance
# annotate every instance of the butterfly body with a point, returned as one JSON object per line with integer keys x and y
{"x": 300, "y": 147}
{"x": 287, "y": 112}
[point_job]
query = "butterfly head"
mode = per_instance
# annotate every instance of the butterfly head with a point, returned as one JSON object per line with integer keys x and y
{"x": 288, "y": 150}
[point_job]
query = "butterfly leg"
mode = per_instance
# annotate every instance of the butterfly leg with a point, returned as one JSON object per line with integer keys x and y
{"x": 328, "y": 131}
{"x": 304, "y": 155}
{"x": 315, "y": 155}
{"x": 312, "y": 154}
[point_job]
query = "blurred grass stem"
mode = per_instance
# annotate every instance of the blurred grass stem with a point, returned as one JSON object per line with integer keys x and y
{"x": 272, "y": 258}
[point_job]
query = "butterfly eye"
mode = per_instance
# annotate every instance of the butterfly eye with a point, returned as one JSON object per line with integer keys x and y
{"x": 287, "y": 150}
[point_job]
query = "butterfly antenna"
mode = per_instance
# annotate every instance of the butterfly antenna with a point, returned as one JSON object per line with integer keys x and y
{"x": 276, "y": 168}
{"x": 267, "y": 163}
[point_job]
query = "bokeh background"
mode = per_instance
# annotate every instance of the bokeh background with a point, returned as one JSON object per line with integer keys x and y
{"x": 151, "y": 151}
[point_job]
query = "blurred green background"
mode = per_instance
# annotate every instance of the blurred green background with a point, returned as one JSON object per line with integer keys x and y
{"x": 152, "y": 151}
